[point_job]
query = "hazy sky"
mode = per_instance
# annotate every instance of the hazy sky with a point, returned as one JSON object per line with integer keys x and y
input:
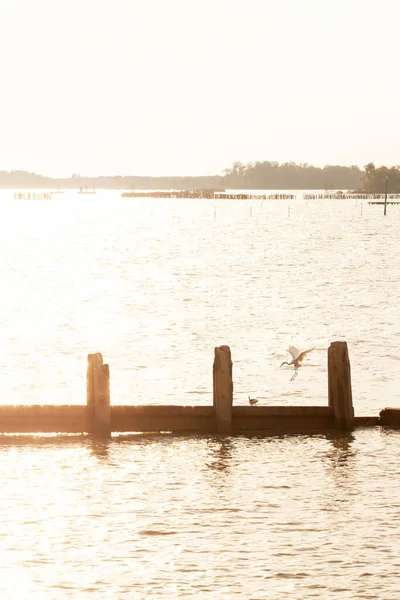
{"x": 169, "y": 87}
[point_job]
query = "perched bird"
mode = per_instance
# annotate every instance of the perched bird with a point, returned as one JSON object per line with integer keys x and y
{"x": 252, "y": 401}
{"x": 297, "y": 358}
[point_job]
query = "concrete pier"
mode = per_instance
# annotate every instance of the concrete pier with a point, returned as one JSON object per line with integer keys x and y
{"x": 99, "y": 417}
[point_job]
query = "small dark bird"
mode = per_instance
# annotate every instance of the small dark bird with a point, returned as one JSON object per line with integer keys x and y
{"x": 252, "y": 401}
{"x": 297, "y": 358}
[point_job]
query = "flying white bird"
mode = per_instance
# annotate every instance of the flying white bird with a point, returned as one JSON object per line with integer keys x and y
{"x": 252, "y": 401}
{"x": 297, "y": 358}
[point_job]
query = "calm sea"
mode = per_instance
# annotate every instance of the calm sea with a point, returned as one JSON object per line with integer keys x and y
{"x": 154, "y": 285}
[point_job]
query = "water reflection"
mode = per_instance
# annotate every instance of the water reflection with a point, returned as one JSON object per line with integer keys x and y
{"x": 341, "y": 488}
{"x": 219, "y": 455}
{"x": 341, "y": 455}
{"x": 100, "y": 447}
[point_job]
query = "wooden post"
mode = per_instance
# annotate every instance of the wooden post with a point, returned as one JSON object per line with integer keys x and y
{"x": 98, "y": 394}
{"x": 339, "y": 385}
{"x": 93, "y": 360}
{"x": 102, "y": 405}
{"x": 223, "y": 388}
{"x": 386, "y": 188}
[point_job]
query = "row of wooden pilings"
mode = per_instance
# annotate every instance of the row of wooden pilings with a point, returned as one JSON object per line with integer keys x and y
{"x": 339, "y": 392}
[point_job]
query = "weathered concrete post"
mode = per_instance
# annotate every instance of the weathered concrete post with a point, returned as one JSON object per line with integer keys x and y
{"x": 102, "y": 405}
{"x": 339, "y": 385}
{"x": 93, "y": 361}
{"x": 223, "y": 388}
{"x": 98, "y": 394}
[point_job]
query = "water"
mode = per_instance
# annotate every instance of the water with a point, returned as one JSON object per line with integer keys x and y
{"x": 195, "y": 517}
{"x": 154, "y": 286}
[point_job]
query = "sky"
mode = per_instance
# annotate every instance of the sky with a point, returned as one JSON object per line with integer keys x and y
{"x": 186, "y": 87}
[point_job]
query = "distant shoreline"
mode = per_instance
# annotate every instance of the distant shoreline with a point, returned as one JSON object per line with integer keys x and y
{"x": 253, "y": 176}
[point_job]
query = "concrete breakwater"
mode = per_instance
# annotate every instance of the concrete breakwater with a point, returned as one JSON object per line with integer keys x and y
{"x": 100, "y": 417}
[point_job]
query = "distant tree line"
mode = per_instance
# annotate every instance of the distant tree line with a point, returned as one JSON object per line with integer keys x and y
{"x": 26, "y": 180}
{"x": 374, "y": 179}
{"x": 258, "y": 175}
{"x": 292, "y": 176}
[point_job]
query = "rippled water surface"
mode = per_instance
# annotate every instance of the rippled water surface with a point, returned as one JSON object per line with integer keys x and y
{"x": 174, "y": 517}
{"x": 154, "y": 285}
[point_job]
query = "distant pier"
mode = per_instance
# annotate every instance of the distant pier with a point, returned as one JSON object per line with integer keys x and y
{"x": 33, "y": 196}
{"x": 383, "y": 202}
{"x": 341, "y": 196}
{"x": 206, "y": 194}
{"x": 86, "y": 190}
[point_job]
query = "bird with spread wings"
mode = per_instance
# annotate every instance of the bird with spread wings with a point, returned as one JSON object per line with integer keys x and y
{"x": 297, "y": 358}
